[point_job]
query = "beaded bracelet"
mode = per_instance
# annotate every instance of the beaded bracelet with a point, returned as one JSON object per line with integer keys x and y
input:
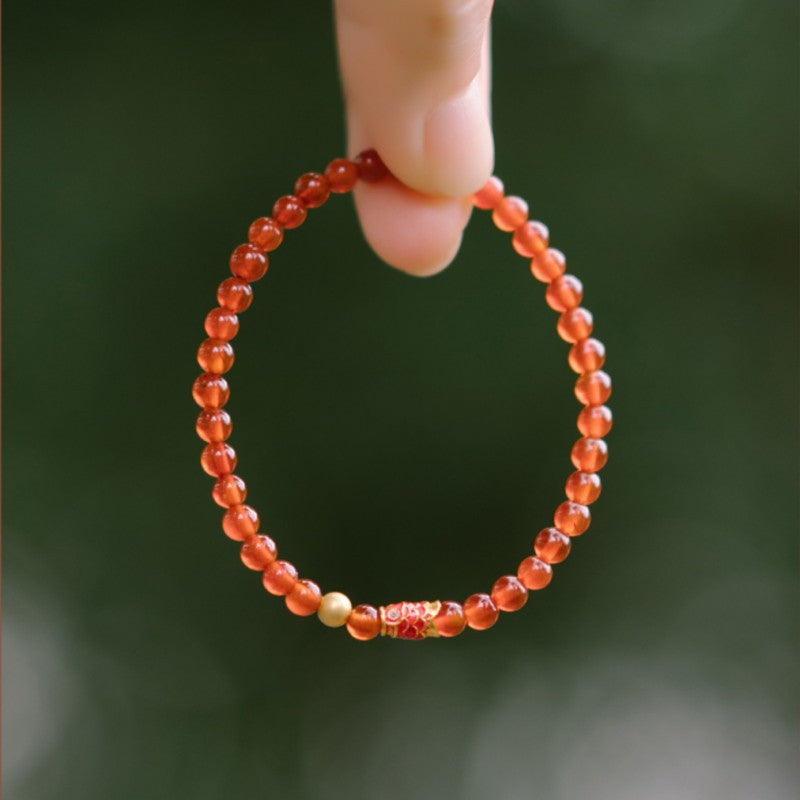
{"x": 405, "y": 620}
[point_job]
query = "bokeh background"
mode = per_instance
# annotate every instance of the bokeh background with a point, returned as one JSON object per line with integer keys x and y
{"x": 402, "y": 438}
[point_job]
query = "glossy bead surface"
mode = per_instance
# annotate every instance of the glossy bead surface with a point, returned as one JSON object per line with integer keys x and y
{"x": 249, "y": 262}
{"x": 215, "y": 355}
{"x": 342, "y": 175}
{"x": 480, "y": 611}
{"x": 563, "y": 293}
{"x": 370, "y": 167}
{"x": 583, "y": 487}
{"x": 229, "y": 490}
{"x": 548, "y": 265}
{"x": 551, "y": 545}
{"x": 595, "y": 421}
{"x": 531, "y": 239}
{"x": 265, "y": 233}
{"x": 534, "y": 573}
{"x": 588, "y": 454}
{"x": 334, "y": 609}
{"x": 587, "y": 355}
{"x": 210, "y": 390}
{"x": 593, "y": 388}
{"x": 214, "y": 425}
{"x": 510, "y": 213}
{"x": 279, "y": 578}
{"x": 312, "y": 189}
{"x": 221, "y": 323}
{"x": 235, "y": 294}
{"x": 304, "y": 599}
{"x": 489, "y": 195}
{"x": 240, "y": 522}
{"x": 258, "y": 552}
{"x": 575, "y": 324}
{"x": 289, "y": 211}
{"x": 572, "y": 518}
{"x": 509, "y": 593}
{"x": 217, "y": 459}
{"x": 364, "y": 623}
{"x": 450, "y": 620}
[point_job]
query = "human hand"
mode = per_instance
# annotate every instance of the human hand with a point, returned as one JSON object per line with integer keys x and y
{"x": 415, "y": 75}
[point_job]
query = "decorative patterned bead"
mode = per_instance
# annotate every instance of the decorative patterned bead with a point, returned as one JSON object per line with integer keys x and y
{"x": 304, "y": 599}
{"x": 235, "y": 294}
{"x": 249, "y": 262}
{"x": 364, "y": 623}
{"x": 210, "y": 390}
{"x": 595, "y": 421}
{"x": 214, "y": 425}
{"x": 583, "y": 487}
{"x": 564, "y": 292}
{"x": 370, "y": 167}
{"x": 409, "y": 620}
{"x": 221, "y": 324}
{"x": 509, "y": 593}
{"x": 240, "y": 523}
{"x": 450, "y": 620}
{"x": 229, "y": 490}
{"x": 510, "y": 213}
{"x": 593, "y": 388}
{"x": 572, "y": 518}
{"x": 218, "y": 458}
{"x": 589, "y": 455}
{"x": 489, "y": 195}
{"x": 575, "y": 324}
{"x": 531, "y": 239}
{"x": 334, "y": 609}
{"x": 265, "y": 233}
{"x": 312, "y": 189}
{"x": 342, "y": 175}
{"x": 215, "y": 355}
{"x": 480, "y": 611}
{"x": 587, "y": 355}
{"x": 548, "y": 265}
{"x": 534, "y": 573}
{"x": 279, "y": 578}
{"x": 289, "y": 211}
{"x": 551, "y": 545}
{"x": 258, "y": 552}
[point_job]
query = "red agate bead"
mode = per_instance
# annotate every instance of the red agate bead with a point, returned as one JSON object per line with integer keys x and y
{"x": 210, "y": 390}
{"x": 572, "y": 518}
{"x": 304, "y": 598}
{"x": 480, "y": 611}
{"x": 289, "y": 211}
{"x": 449, "y": 620}
{"x": 510, "y": 213}
{"x": 583, "y": 487}
{"x": 593, "y": 388}
{"x": 564, "y": 292}
{"x": 548, "y": 265}
{"x": 221, "y": 323}
{"x": 265, "y": 233}
{"x": 249, "y": 262}
{"x": 342, "y": 175}
{"x": 589, "y": 455}
{"x": 551, "y": 545}
{"x": 279, "y": 578}
{"x": 218, "y": 458}
{"x": 364, "y": 623}
{"x": 240, "y": 522}
{"x": 214, "y": 425}
{"x": 575, "y": 324}
{"x": 509, "y": 593}
{"x": 235, "y": 294}
{"x": 312, "y": 189}
{"x": 489, "y": 195}
{"x": 258, "y": 552}
{"x": 531, "y": 239}
{"x": 534, "y": 573}
{"x": 370, "y": 167}
{"x": 229, "y": 490}
{"x": 595, "y": 421}
{"x": 215, "y": 355}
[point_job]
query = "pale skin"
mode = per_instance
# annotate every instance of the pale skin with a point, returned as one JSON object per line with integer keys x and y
{"x": 415, "y": 75}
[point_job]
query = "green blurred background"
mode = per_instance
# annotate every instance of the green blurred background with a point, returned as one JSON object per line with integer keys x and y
{"x": 402, "y": 438}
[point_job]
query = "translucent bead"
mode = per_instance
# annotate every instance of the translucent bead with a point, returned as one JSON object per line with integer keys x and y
{"x": 334, "y": 609}
{"x": 304, "y": 599}
{"x": 489, "y": 195}
{"x": 279, "y": 578}
{"x": 593, "y": 388}
{"x": 249, "y": 262}
{"x": 564, "y": 292}
{"x": 221, "y": 324}
{"x": 531, "y": 239}
{"x": 217, "y": 459}
{"x": 240, "y": 523}
{"x": 551, "y": 545}
{"x": 215, "y": 355}
{"x": 595, "y": 421}
{"x": 214, "y": 425}
{"x": 583, "y": 487}
{"x": 572, "y": 518}
{"x": 258, "y": 552}
{"x": 289, "y": 211}
{"x": 480, "y": 611}
{"x": 589, "y": 455}
{"x": 587, "y": 355}
{"x": 229, "y": 490}
{"x": 342, "y": 175}
{"x": 450, "y": 620}
{"x": 534, "y": 573}
{"x": 364, "y": 623}
{"x": 510, "y": 213}
{"x": 509, "y": 593}
{"x": 575, "y": 324}
{"x": 265, "y": 233}
{"x": 548, "y": 265}
{"x": 210, "y": 390}
{"x": 235, "y": 294}
{"x": 370, "y": 167}
{"x": 312, "y": 189}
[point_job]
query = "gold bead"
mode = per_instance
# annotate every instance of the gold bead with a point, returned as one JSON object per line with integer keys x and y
{"x": 334, "y": 609}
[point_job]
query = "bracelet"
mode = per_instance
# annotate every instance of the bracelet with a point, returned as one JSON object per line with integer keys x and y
{"x": 406, "y": 620}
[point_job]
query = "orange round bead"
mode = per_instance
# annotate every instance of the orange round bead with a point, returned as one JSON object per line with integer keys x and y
{"x": 449, "y": 620}
{"x": 304, "y": 599}
{"x": 265, "y": 233}
{"x": 583, "y": 487}
{"x": 587, "y": 355}
{"x": 575, "y": 324}
{"x": 595, "y": 421}
{"x": 217, "y": 459}
{"x": 289, "y": 211}
{"x": 551, "y": 545}
{"x": 534, "y": 573}
{"x": 531, "y": 239}
{"x": 589, "y": 455}
{"x": 489, "y": 195}
{"x": 593, "y": 388}
{"x": 364, "y": 623}
{"x": 235, "y": 294}
{"x": 572, "y": 518}
{"x": 258, "y": 552}
{"x": 221, "y": 324}
{"x": 279, "y": 578}
{"x": 564, "y": 292}
{"x": 548, "y": 265}
{"x": 480, "y": 611}
{"x": 510, "y": 213}
{"x": 210, "y": 390}
{"x": 509, "y": 593}
{"x": 370, "y": 167}
{"x": 229, "y": 490}
{"x": 214, "y": 425}
{"x": 312, "y": 189}
{"x": 240, "y": 523}
{"x": 249, "y": 262}
{"x": 342, "y": 175}
{"x": 215, "y": 355}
